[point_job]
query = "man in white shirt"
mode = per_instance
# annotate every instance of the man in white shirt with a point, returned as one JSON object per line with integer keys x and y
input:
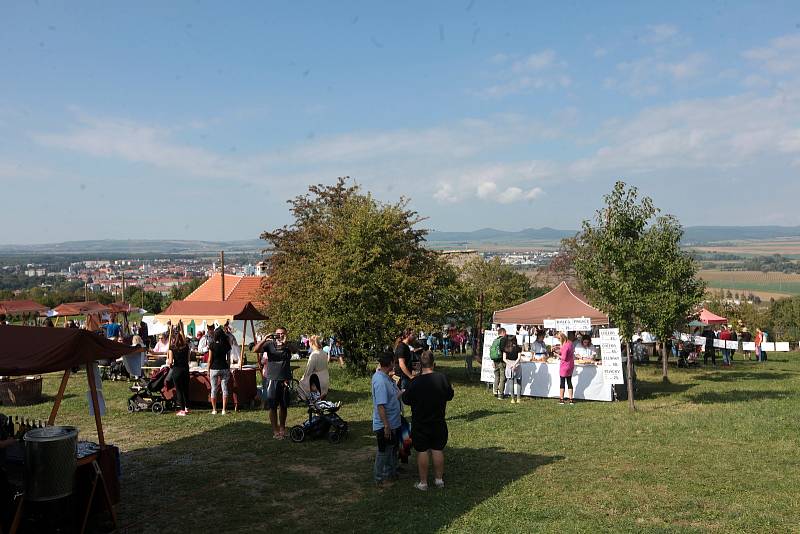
{"x": 205, "y": 344}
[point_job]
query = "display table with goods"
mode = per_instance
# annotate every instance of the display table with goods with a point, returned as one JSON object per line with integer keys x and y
{"x": 242, "y": 387}
{"x": 541, "y": 379}
{"x": 63, "y": 481}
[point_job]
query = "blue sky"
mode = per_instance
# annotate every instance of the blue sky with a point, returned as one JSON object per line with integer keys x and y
{"x": 200, "y": 119}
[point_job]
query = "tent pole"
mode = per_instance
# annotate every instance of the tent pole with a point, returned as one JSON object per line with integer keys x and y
{"x": 95, "y": 404}
{"x": 242, "y": 346}
{"x": 59, "y": 396}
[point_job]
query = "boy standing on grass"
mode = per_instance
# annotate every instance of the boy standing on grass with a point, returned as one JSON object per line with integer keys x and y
{"x": 385, "y": 420}
{"x": 428, "y": 395}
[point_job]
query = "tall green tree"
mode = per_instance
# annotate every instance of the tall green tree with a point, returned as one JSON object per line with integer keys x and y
{"x": 354, "y": 267}
{"x": 611, "y": 257}
{"x": 673, "y": 287}
{"x": 499, "y": 284}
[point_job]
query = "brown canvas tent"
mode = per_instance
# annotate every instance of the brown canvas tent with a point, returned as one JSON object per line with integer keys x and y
{"x": 562, "y": 302}
{"x": 81, "y": 308}
{"x": 28, "y": 350}
{"x": 21, "y": 307}
{"x": 210, "y": 311}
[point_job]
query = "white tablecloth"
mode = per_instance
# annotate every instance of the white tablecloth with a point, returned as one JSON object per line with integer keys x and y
{"x": 541, "y": 380}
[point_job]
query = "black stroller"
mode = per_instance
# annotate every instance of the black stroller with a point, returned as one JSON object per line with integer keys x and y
{"x": 115, "y": 371}
{"x": 147, "y": 394}
{"x": 322, "y": 421}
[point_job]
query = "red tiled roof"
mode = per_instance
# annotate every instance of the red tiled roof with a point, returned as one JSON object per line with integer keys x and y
{"x": 237, "y": 288}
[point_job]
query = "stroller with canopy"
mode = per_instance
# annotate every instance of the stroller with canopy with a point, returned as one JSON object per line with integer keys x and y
{"x": 147, "y": 394}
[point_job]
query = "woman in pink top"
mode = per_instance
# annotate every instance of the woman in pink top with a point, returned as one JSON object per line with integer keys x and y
{"x": 567, "y": 357}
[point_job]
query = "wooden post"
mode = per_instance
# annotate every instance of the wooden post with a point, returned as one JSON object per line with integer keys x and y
{"x": 95, "y": 404}
{"x": 242, "y": 346}
{"x": 631, "y": 403}
{"x": 59, "y": 396}
{"x": 222, "y": 270}
{"x": 123, "y": 286}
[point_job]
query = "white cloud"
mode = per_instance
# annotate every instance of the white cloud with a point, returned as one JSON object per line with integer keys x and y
{"x": 538, "y": 71}
{"x": 535, "y": 62}
{"x": 781, "y": 56}
{"x": 512, "y": 194}
{"x": 486, "y": 189}
{"x": 660, "y": 33}
{"x": 600, "y": 52}
{"x": 534, "y": 193}
{"x": 648, "y": 76}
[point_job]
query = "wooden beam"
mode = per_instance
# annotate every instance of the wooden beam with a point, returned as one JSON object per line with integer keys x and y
{"x": 95, "y": 404}
{"x": 59, "y": 397}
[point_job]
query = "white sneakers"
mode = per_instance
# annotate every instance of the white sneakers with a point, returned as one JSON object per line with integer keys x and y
{"x": 214, "y": 412}
{"x": 422, "y": 486}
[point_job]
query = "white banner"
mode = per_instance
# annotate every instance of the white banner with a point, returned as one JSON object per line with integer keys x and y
{"x": 768, "y": 347}
{"x": 782, "y": 346}
{"x": 511, "y": 329}
{"x": 574, "y": 324}
{"x": 749, "y": 345}
{"x": 611, "y": 354}
{"x": 719, "y": 343}
{"x": 734, "y": 345}
{"x": 487, "y": 367}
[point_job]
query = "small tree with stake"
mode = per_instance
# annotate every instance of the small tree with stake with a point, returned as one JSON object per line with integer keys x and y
{"x": 673, "y": 288}
{"x": 611, "y": 258}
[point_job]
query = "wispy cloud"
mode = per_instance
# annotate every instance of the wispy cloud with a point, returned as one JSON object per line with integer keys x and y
{"x": 660, "y": 33}
{"x": 781, "y": 56}
{"x": 650, "y": 75}
{"x": 542, "y": 70}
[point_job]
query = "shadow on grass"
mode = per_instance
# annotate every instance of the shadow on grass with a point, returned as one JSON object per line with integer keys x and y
{"x": 736, "y": 395}
{"x": 657, "y": 389}
{"x": 478, "y": 414}
{"x": 735, "y": 376}
{"x": 257, "y": 483}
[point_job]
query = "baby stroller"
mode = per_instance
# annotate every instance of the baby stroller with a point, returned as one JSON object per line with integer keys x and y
{"x": 322, "y": 421}
{"x": 115, "y": 371}
{"x": 147, "y": 394}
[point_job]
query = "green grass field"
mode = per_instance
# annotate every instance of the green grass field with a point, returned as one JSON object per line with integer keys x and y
{"x": 716, "y": 450}
{"x": 787, "y": 288}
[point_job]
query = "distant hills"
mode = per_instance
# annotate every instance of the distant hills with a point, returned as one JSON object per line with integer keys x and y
{"x": 694, "y": 235}
{"x": 137, "y": 246}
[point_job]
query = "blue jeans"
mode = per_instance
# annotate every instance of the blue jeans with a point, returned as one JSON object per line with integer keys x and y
{"x": 386, "y": 457}
{"x": 726, "y": 356}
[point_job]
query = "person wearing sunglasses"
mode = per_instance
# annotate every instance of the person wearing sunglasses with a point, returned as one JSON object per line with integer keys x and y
{"x": 276, "y": 371}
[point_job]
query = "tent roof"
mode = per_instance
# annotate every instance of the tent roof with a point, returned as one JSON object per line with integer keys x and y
{"x": 711, "y": 318}
{"x": 81, "y": 308}
{"x": 241, "y": 288}
{"x": 210, "y": 311}
{"x": 123, "y": 307}
{"x": 28, "y": 350}
{"x": 13, "y": 307}
{"x": 561, "y": 302}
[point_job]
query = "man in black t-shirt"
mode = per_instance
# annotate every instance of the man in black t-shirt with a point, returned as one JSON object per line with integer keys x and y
{"x": 428, "y": 395}
{"x": 219, "y": 367}
{"x": 404, "y": 358}
{"x": 276, "y": 371}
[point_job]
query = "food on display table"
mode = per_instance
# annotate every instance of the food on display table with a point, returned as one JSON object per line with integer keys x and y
{"x": 552, "y": 359}
{"x": 584, "y": 361}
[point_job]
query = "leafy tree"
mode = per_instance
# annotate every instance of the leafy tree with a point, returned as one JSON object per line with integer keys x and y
{"x": 500, "y": 285}
{"x": 616, "y": 261}
{"x": 355, "y": 267}
{"x": 674, "y": 288}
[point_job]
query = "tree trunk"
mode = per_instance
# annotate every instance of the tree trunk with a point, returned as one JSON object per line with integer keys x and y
{"x": 631, "y": 403}
{"x": 664, "y": 362}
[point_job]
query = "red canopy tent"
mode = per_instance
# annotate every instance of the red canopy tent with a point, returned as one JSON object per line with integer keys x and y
{"x": 708, "y": 317}
{"x": 562, "y": 302}
{"x": 21, "y": 307}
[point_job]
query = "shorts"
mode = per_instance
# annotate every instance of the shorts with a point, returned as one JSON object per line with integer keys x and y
{"x": 275, "y": 393}
{"x": 429, "y": 437}
{"x": 224, "y": 376}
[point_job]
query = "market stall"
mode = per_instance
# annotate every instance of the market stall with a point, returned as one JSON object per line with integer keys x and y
{"x": 27, "y": 310}
{"x": 30, "y": 350}
{"x": 563, "y": 308}
{"x": 90, "y": 308}
{"x": 239, "y": 314}
{"x": 708, "y": 318}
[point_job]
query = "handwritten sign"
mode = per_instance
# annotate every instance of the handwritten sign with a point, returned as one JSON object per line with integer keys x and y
{"x": 782, "y": 346}
{"x": 768, "y": 347}
{"x": 487, "y": 366}
{"x": 719, "y": 343}
{"x": 749, "y": 345}
{"x": 611, "y": 354}
{"x": 733, "y": 345}
{"x": 574, "y": 324}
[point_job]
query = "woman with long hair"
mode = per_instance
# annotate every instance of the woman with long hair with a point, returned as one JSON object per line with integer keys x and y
{"x": 178, "y": 361}
{"x": 403, "y": 358}
{"x": 317, "y": 366}
{"x": 566, "y": 367}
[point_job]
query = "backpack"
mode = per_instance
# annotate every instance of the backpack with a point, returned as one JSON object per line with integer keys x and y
{"x": 494, "y": 352}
